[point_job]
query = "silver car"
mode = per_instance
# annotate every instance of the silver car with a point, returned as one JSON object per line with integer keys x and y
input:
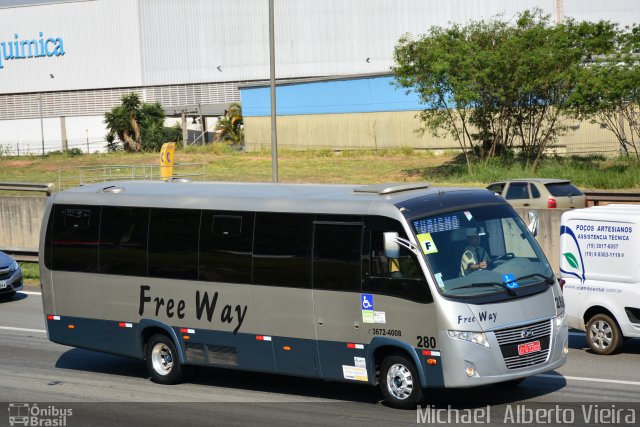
{"x": 540, "y": 193}
{"x": 10, "y": 276}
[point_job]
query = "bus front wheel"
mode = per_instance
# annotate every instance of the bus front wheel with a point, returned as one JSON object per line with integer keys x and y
{"x": 162, "y": 360}
{"x": 399, "y": 382}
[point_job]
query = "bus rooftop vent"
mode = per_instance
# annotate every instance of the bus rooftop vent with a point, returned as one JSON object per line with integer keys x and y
{"x": 111, "y": 189}
{"x": 390, "y": 188}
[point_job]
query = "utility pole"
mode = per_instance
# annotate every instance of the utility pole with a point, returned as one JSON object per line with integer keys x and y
{"x": 87, "y": 131}
{"x": 272, "y": 63}
{"x": 41, "y": 122}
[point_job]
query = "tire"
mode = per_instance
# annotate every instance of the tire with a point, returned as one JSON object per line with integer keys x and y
{"x": 400, "y": 383}
{"x": 161, "y": 358}
{"x": 603, "y": 335}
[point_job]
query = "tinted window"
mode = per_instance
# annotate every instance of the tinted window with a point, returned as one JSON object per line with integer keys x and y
{"x": 496, "y": 188}
{"x": 282, "y": 250}
{"x": 173, "y": 243}
{"x": 534, "y": 192}
{"x": 225, "y": 246}
{"x": 563, "y": 189}
{"x": 337, "y": 257}
{"x": 226, "y": 225}
{"x": 123, "y": 240}
{"x": 76, "y": 233}
{"x": 518, "y": 190}
{"x": 400, "y": 277}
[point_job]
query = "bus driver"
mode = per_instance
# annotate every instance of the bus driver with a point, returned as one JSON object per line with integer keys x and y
{"x": 474, "y": 257}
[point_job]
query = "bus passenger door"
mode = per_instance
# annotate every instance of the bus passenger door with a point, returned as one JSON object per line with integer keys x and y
{"x": 337, "y": 257}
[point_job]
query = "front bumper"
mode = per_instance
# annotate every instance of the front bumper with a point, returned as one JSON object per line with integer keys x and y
{"x": 489, "y": 365}
{"x": 11, "y": 284}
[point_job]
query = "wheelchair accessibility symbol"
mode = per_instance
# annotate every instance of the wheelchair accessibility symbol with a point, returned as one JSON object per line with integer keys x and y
{"x": 367, "y": 301}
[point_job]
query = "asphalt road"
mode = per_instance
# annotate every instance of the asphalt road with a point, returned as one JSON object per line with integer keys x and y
{"x": 109, "y": 390}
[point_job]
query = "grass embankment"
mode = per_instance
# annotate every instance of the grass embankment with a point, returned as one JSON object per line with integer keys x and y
{"x": 325, "y": 166}
{"x": 30, "y": 273}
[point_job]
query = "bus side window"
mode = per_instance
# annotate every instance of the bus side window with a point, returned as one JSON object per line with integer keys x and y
{"x": 173, "y": 243}
{"x": 75, "y": 238}
{"x": 123, "y": 241}
{"x": 226, "y": 240}
{"x": 282, "y": 250}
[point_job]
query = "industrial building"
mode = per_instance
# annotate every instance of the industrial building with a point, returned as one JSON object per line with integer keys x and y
{"x": 68, "y": 62}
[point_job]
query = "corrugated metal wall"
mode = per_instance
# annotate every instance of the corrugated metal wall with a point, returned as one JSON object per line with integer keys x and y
{"x": 201, "y": 40}
{"x": 392, "y": 130}
{"x": 100, "y": 40}
{"x": 196, "y": 51}
{"x": 132, "y": 43}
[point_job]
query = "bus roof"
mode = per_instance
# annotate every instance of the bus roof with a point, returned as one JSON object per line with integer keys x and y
{"x": 383, "y": 199}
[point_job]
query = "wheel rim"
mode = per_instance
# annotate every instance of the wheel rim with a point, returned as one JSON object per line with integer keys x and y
{"x": 399, "y": 381}
{"x": 162, "y": 359}
{"x": 601, "y": 334}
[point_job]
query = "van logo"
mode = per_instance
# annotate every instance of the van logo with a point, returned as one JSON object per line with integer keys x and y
{"x": 527, "y": 333}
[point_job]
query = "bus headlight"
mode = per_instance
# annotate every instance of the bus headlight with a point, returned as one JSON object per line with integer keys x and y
{"x": 475, "y": 337}
{"x": 560, "y": 319}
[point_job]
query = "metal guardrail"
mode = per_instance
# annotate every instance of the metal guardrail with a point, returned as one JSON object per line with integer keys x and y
{"x": 27, "y": 186}
{"x": 83, "y": 175}
{"x": 596, "y": 197}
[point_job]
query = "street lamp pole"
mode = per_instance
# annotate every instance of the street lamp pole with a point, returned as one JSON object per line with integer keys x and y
{"x": 272, "y": 62}
{"x": 87, "y": 131}
{"x": 41, "y": 122}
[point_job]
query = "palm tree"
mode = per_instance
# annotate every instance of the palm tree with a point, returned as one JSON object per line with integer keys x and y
{"x": 119, "y": 124}
{"x": 131, "y": 106}
{"x": 230, "y": 126}
{"x": 140, "y": 126}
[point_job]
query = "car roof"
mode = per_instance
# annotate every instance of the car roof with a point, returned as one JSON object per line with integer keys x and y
{"x": 540, "y": 180}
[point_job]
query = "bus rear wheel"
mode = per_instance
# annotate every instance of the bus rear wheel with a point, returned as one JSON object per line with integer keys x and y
{"x": 162, "y": 360}
{"x": 603, "y": 335}
{"x": 399, "y": 382}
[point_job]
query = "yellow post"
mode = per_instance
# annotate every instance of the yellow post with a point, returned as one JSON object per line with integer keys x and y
{"x": 166, "y": 160}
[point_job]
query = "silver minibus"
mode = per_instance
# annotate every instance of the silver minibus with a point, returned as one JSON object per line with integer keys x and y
{"x": 405, "y": 286}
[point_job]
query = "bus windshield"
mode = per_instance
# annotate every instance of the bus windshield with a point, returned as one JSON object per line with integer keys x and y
{"x": 481, "y": 251}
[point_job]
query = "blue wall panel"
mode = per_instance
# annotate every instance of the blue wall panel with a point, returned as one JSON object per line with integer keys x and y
{"x": 330, "y": 97}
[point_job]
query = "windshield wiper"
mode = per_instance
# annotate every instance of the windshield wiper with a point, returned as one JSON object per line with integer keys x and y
{"x": 548, "y": 280}
{"x": 485, "y": 284}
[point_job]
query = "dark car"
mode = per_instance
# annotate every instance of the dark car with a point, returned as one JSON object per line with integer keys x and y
{"x": 10, "y": 276}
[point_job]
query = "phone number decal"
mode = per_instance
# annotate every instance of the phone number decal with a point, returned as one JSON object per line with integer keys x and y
{"x": 386, "y": 332}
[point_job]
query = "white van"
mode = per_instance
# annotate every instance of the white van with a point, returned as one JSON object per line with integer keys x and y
{"x": 599, "y": 249}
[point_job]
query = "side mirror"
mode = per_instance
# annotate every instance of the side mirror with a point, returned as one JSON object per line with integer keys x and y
{"x": 391, "y": 246}
{"x": 533, "y": 223}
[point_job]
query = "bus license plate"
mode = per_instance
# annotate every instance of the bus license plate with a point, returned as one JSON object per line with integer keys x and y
{"x": 3, "y": 284}
{"x": 530, "y": 347}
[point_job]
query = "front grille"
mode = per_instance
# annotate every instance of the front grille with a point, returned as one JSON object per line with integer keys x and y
{"x": 5, "y": 273}
{"x": 510, "y": 338}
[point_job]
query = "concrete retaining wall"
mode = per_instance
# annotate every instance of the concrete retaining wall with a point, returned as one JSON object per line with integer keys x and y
{"x": 20, "y": 219}
{"x": 548, "y": 236}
